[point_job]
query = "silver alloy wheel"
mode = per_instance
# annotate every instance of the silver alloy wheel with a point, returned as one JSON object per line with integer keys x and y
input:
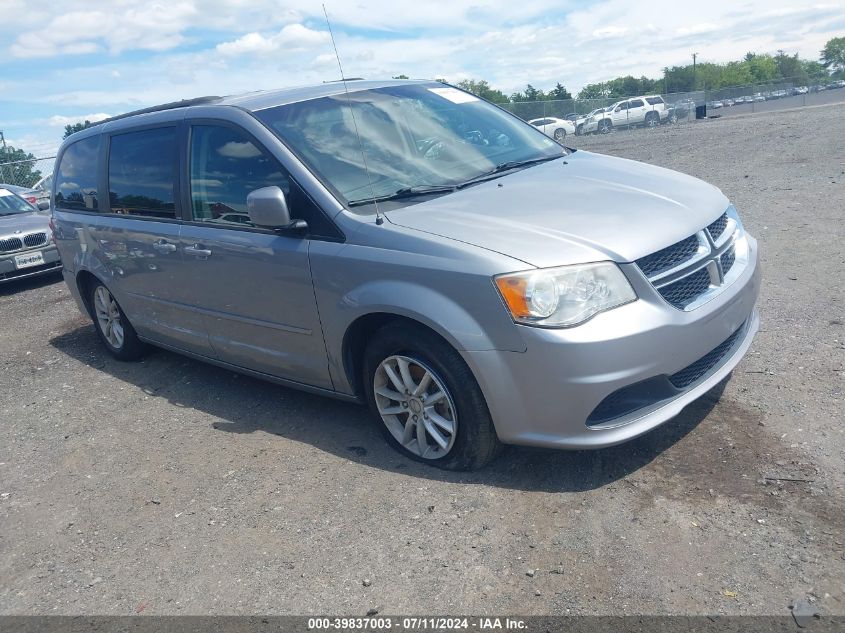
{"x": 415, "y": 406}
{"x": 108, "y": 317}
{"x": 560, "y": 134}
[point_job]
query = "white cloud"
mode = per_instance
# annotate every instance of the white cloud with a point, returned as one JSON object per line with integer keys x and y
{"x": 292, "y": 38}
{"x": 59, "y": 120}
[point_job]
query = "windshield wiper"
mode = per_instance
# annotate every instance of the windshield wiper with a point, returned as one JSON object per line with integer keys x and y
{"x": 405, "y": 192}
{"x": 503, "y": 167}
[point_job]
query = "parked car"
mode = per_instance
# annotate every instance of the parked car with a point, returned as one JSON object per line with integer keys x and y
{"x": 34, "y": 195}
{"x": 680, "y": 110}
{"x": 648, "y": 111}
{"x": 758, "y": 97}
{"x": 27, "y": 248}
{"x": 554, "y": 127}
{"x": 477, "y": 292}
{"x": 589, "y": 123}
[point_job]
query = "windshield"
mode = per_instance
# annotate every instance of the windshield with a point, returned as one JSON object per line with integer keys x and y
{"x": 10, "y": 203}
{"x": 412, "y": 136}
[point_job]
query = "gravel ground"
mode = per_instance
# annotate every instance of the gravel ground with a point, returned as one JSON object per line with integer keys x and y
{"x": 170, "y": 486}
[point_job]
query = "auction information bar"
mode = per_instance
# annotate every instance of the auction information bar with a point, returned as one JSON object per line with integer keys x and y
{"x": 376, "y": 622}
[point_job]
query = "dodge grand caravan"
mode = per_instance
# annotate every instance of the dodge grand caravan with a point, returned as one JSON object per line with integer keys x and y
{"x": 412, "y": 247}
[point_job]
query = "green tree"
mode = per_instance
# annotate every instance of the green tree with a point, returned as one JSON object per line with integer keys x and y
{"x": 401, "y": 77}
{"x": 17, "y": 167}
{"x": 833, "y": 55}
{"x": 482, "y": 89}
{"x": 78, "y": 127}
{"x": 558, "y": 93}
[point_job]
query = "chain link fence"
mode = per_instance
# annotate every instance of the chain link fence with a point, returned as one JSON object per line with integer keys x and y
{"x": 26, "y": 173}
{"x": 603, "y": 115}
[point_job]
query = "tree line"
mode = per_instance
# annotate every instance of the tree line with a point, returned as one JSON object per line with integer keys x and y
{"x": 754, "y": 68}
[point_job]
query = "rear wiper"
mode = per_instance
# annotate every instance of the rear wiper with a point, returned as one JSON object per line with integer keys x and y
{"x": 503, "y": 167}
{"x": 405, "y": 192}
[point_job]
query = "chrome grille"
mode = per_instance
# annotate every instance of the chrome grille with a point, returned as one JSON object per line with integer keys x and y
{"x": 718, "y": 227}
{"x": 35, "y": 239}
{"x": 728, "y": 259}
{"x": 696, "y": 370}
{"x": 688, "y": 273}
{"x": 10, "y": 244}
{"x": 687, "y": 289}
{"x": 669, "y": 257}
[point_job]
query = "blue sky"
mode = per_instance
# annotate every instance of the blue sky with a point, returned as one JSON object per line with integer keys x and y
{"x": 64, "y": 62}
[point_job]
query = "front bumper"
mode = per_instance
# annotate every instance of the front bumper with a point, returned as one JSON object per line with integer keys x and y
{"x": 546, "y": 395}
{"x": 10, "y": 272}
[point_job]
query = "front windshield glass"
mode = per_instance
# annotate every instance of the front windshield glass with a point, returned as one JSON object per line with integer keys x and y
{"x": 411, "y": 136}
{"x": 11, "y": 204}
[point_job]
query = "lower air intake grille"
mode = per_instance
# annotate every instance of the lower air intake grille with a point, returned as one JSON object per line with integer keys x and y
{"x": 691, "y": 373}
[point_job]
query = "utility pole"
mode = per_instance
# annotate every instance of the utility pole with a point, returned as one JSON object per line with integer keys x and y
{"x": 5, "y": 155}
{"x": 694, "y": 55}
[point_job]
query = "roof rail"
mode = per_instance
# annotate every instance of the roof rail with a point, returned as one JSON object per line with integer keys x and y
{"x": 184, "y": 103}
{"x": 335, "y": 81}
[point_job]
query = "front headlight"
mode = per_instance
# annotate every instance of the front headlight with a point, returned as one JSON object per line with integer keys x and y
{"x": 564, "y": 296}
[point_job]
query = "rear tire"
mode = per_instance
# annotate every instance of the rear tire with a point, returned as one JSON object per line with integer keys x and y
{"x": 560, "y": 135}
{"x": 113, "y": 328}
{"x": 652, "y": 119}
{"x": 426, "y": 400}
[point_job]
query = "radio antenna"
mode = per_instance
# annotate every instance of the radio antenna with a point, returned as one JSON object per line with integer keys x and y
{"x": 379, "y": 219}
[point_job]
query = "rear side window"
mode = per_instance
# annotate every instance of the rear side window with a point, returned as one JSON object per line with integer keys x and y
{"x": 76, "y": 183}
{"x": 654, "y": 100}
{"x": 637, "y": 103}
{"x": 142, "y": 173}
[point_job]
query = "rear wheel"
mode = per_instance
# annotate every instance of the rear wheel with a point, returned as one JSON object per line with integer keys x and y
{"x": 426, "y": 400}
{"x": 652, "y": 119}
{"x": 560, "y": 134}
{"x": 112, "y": 326}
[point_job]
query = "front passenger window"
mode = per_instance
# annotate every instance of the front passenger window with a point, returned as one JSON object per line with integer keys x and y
{"x": 226, "y": 166}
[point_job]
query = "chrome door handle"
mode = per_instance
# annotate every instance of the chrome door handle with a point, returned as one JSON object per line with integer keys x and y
{"x": 164, "y": 247}
{"x": 198, "y": 251}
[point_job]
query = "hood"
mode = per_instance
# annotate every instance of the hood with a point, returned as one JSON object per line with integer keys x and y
{"x": 584, "y": 207}
{"x": 24, "y": 222}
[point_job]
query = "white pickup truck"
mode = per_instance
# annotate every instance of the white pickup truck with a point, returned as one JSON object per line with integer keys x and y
{"x": 649, "y": 111}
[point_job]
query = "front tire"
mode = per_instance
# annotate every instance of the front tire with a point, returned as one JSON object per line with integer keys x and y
{"x": 426, "y": 401}
{"x": 605, "y": 127}
{"x": 113, "y": 328}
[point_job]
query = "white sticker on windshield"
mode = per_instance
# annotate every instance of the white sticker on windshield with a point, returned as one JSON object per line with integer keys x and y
{"x": 454, "y": 95}
{"x": 5, "y": 192}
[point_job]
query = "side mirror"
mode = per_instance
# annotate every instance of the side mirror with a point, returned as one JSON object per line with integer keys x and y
{"x": 44, "y": 205}
{"x": 268, "y": 208}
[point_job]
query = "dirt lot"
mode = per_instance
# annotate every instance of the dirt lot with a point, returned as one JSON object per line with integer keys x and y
{"x": 170, "y": 486}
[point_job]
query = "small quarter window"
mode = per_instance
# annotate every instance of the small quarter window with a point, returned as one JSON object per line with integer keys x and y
{"x": 76, "y": 184}
{"x": 142, "y": 173}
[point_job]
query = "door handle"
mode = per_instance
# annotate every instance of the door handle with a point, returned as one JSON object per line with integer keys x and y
{"x": 198, "y": 251}
{"x": 164, "y": 247}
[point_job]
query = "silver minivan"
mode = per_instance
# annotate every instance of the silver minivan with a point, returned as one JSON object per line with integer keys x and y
{"x": 412, "y": 247}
